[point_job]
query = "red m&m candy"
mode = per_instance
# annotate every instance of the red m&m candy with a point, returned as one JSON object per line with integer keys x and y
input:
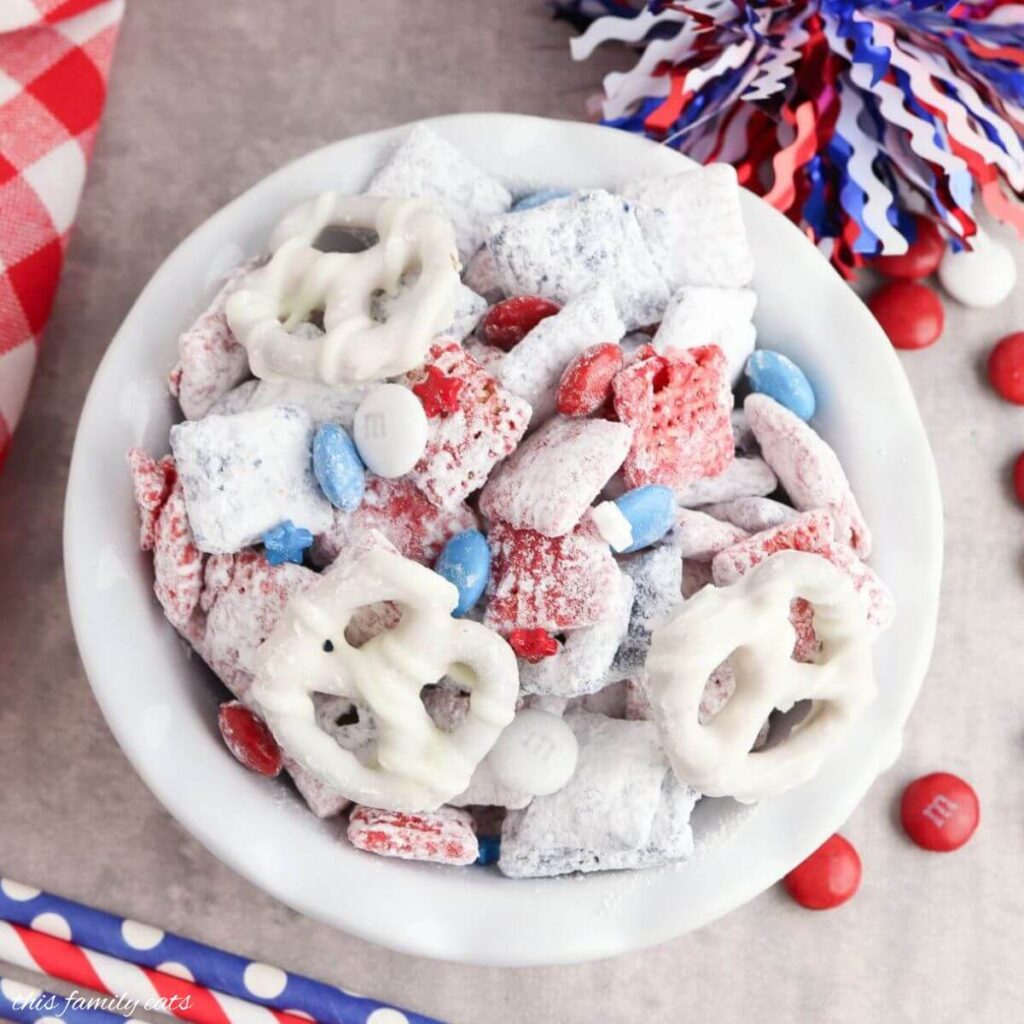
{"x": 940, "y": 812}
{"x": 828, "y": 878}
{"x": 507, "y": 323}
{"x": 921, "y": 259}
{"x": 911, "y": 314}
{"x": 1018, "y": 477}
{"x": 249, "y": 739}
{"x": 1006, "y": 368}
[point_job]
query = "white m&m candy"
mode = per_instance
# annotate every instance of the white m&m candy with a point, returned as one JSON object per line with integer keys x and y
{"x": 390, "y": 430}
{"x": 982, "y": 276}
{"x": 535, "y": 754}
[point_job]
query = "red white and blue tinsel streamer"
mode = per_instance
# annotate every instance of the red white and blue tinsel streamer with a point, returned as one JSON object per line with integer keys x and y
{"x": 847, "y": 115}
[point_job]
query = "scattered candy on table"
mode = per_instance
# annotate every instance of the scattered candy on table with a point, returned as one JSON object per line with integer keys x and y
{"x": 249, "y": 739}
{"x": 923, "y": 255}
{"x": 390, "y": 430}
{"x": 1006, "y": 367}
{"x": 940, "y": 812}
{"x": 286, "y": 542}
{"x": 465, "y": 560}
{"x": 828, "y": 878}
{"x": 981, "y": 276}
{"x": 338, "y": 468}
{"x": 910, "y": 313}
{"x": 773, "y": 374}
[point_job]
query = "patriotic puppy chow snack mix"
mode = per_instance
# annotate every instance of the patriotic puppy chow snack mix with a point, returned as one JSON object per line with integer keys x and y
{"x": 507, "y": 537}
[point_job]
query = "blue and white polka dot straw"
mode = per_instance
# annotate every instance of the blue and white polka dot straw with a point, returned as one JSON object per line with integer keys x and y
{"x": 27, "y": 1005}
{"x": 213, "y": 968}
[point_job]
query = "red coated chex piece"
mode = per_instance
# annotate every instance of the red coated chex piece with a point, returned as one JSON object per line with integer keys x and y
{"x": 249, "y": 739}
{"x": 438, "y": 392}
{"x": 444, "y": 836}
{"x": 940, "y": 812}
{"x": 828, "y": 878}
{"x": 921, "y": 258}
{"x": 586, "y": 382}
{"x": 152, "y": 481}
{"x": 403, "y": 514}
{"x": 483, "y": 426}
{"x": 551, "y": 583}
{"x": 177, "y": 563}
{"x": 507, "y": 323}
{"x": 678, "y": 406}
{"x": 532, "y": 645}
{"x": 1006, "y": 368}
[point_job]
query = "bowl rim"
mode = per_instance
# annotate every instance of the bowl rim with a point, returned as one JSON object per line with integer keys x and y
{"x": 396, "y": 905}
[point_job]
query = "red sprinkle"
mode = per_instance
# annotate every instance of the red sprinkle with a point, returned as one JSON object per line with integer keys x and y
{"x": 506, "y": 324}
{"x": 911, "y": 314}
{"x": 249, "y": 739}
{"x": 438, "y": 392}
{"x": 532, "y": 645}
{"x": 828, "y": 878}
{"x": 1006, "y": 368}
{"x": 1018, "y": 477}
{"x": 921, "y": 259}
{"x": 587, "y": 381}
{"x": 940, "y": 812}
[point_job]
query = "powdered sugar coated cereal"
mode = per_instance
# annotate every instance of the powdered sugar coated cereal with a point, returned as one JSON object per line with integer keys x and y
{"x": 444, "y": 836}
{"x": 743, "y": 477}
{"x": 752, "y": 513}
{"x": 700, "y": 537}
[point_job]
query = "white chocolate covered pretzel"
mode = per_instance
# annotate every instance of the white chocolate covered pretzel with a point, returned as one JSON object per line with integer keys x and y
{"x": 270, "y": 304}
{"x": 748, "y": 622}
{"x": 417, "y": 765}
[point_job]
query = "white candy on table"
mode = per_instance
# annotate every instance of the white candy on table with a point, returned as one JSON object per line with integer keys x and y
{"x": 324, "y": 403}
{"x": 694, "y": 225}
{"x": 742, "y": 477}
{"x": 536, "y": 753}
{"x": 749, "y": 623}
{"x": 585, "y": 655}
{"x": 533, "y": 368}
{"x": 417, "y": 765}
{"x": 752, "y": 513}
{"x": 425, "y": 164}
{"x": 982, "y": 276}
{"x": 622, "y": 808}
{"x": 808, "y": 469}
{"x": 702, "y": 315}
{"x": 564, "y": 247}
{"x": 272, "y": 303}
{"x": 390, "y": 430}
{"x": 549, "y": 481}
{"x": 247, "y": 473}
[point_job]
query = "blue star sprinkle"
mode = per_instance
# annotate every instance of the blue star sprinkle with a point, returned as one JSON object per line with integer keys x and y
{"x": 286, "y": 542}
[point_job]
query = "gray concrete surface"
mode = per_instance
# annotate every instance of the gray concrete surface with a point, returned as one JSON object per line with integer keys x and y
{"x": 206, "y": 98}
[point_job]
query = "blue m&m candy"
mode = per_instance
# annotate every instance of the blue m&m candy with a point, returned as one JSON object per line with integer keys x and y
{"x": 773, "y": 374}
{"x": 490, "y": 850}
{"x": 539, "y": 198}
{"x": 638, "y": 518}
{"x": 465, "y": 561}
{"x": 338, "y": 468}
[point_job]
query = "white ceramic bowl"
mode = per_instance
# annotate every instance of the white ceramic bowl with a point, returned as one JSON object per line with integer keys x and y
{"x": 161, "y": 703}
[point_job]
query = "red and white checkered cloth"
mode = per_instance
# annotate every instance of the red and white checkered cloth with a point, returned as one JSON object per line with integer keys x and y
{"x": 54, "y": 59}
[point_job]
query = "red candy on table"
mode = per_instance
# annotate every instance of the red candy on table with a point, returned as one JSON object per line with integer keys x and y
{"x": 532, "y": 645}
{"x": 1018, "y": 477}
{"x": 910, "y": 314}
{"x": 507, "y": 323}
{"x": 249, "y": 739}
{"x": 828, "y": 878}
{"x": 587, "y": 381}
{"x": 1006, "y": 368}
{"x": 940, "y": 812}
{"x": 921, "y": 259}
